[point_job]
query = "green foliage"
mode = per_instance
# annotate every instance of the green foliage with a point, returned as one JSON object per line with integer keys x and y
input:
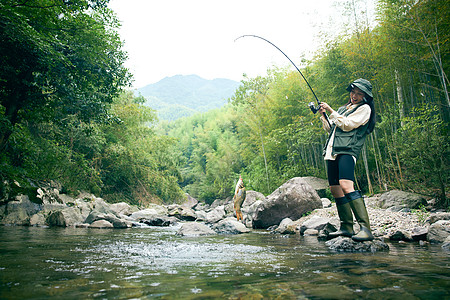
{"x": 58, "y": 58}
{"x": 423, "y": 147}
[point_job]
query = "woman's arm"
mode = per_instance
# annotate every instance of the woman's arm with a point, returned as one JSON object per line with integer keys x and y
{"x": 358, "y": 118}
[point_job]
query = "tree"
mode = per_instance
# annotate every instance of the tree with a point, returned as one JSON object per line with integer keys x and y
{"x": 57, "y": 58}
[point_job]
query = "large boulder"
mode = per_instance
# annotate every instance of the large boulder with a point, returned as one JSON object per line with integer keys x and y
{"x": 293, "y": 199}
{"x": 401, "y": 199}
{"x": 319, "y": 184}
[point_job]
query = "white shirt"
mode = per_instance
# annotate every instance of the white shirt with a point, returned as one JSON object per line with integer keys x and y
{"x": 358, "y": 118}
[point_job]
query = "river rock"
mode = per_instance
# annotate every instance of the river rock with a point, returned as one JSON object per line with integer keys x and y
{"x": 251, "y": 197}
{"x": 96, "y": 215}
{"x": 230, "y": 226}
{"x": 446, "y": 244}
{"x": 401, "y": 235}
{"x": 291, "y": 200}
{"x": 182, "y": 212}
{"x": 419, "y": 233}
{"x": 401, "y": 199}
{"x": 69, "y": 216}
{"x": 195, "y": 229}
{"x": 101, "y": 224}
{"x": 157, "y": 220}
{"x": 215, "y": 215}
{"x": 287, "y": 226}
{"x": 38, "y": 219}
{"x": 326, "y": 202}
{"x": 439, "y": 231}
{"x": 346, "y": 244}
{"x": 148, "y": 213}
{"x": 123, "y": 208}
{"x": 19, "y": 211}
{"x": 190, "y": 202}
{"x": 434, "y": 217}
{"x": 315, "y": 222}
{"x": 319, "y": 184}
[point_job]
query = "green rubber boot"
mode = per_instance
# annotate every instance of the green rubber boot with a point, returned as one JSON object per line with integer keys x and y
{"x": 360, "y": 211}
{"x": 346, "y": 217}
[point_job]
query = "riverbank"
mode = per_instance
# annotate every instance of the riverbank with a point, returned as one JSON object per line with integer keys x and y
{"x": 395, "y": 215}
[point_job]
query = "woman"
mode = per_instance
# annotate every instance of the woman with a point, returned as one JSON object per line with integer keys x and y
{"x": 349, "y": 127}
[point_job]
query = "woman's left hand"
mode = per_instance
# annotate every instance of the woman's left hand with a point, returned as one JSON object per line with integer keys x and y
{"x": 325, "y": 107}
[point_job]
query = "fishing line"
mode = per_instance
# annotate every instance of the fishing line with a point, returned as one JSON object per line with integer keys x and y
{"x": 298, "y": 70}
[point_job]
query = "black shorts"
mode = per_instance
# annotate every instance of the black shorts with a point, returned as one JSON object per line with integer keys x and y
{"x": 341, "y": 168}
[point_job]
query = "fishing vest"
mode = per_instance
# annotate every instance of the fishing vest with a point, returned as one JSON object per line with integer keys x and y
{"x": 348, "y": 142}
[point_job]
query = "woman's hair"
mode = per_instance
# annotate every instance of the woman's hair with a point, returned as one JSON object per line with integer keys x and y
{"x": 373, "y": 119}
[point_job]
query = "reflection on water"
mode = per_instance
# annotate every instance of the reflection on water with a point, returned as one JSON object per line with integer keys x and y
{"x": 71, "y": 263}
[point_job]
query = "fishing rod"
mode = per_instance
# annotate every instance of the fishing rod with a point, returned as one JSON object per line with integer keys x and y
{"x": 313, "y": 108}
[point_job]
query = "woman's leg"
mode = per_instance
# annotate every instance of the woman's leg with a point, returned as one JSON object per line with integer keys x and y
{"x": 342, "y": 205}
{"x": 354, "y": 199}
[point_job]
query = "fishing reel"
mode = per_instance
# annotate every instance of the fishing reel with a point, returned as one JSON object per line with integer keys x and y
{"x": 313, "y": 108}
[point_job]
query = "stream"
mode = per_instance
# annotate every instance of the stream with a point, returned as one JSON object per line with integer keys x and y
{"x": 154, "y": 263}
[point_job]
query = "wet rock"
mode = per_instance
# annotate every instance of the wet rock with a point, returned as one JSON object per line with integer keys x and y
{"x": 101, "y": 224}
{"x": 310, "y": 231}
{"x": 68, "y": 216}
{"x": 56, "y": 218}
{"x": 419, "y": 233}
{"x": 181, "y": 212}
{"x": 401, "y": 199}
{"x": 345, "y": 244}
{"x": 291, "y": 200}
{"x": 230, "y": 226}
{"x": 38, "y": 219}
{"x": 19, "y": 211}
{"x": 160, "y": 221}
{"x": 317, "y": 223}
{"x": 195, "y": 229}
{"x": 96, "y": 215}
{"x": 439, "y": 231}
{"x": 446, "y": 244}
{"x": 401, "y": 235}
{"x": 287, "y": 226}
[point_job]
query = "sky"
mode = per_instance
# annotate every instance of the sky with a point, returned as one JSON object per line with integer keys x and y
{"x": 172, "y": 37}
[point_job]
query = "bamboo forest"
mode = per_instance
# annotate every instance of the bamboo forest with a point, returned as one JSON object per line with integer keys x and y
{"x": 67, "y": 113}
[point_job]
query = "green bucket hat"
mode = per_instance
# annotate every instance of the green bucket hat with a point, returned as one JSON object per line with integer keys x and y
{"x": 363, "y": 84}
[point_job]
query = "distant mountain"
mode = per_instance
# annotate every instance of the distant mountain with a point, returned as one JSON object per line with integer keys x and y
{"x": 184, "y": 95}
